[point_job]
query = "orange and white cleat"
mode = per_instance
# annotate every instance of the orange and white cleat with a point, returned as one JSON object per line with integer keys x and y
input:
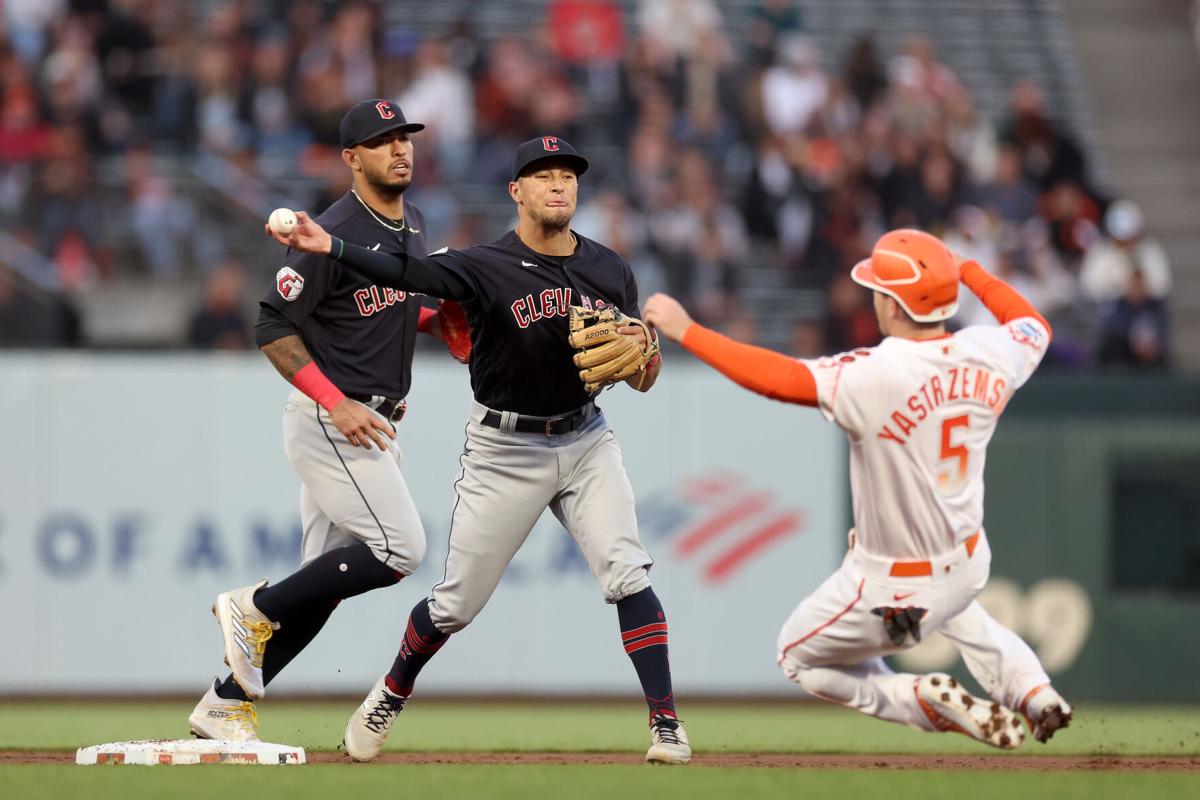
{"x": 1046, "y": 712}
{"x": 951, "y": 708}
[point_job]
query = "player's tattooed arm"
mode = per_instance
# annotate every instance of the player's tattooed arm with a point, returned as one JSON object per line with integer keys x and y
{"x": 288, "y": 355}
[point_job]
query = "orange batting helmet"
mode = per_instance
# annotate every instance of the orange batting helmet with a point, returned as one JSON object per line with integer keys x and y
{"x": 916, "y": 270}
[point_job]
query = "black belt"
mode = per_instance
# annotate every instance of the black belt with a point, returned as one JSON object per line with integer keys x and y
{"x": 550, "y": 426}
{"x": 391, "y": 409}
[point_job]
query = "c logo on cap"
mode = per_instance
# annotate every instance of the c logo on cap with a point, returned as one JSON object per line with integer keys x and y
{"x": 385, "y": 110}
{"x": 550, "y": 143}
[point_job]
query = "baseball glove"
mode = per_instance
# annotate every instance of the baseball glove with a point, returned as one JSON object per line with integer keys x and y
{"x": 605, "y": 355}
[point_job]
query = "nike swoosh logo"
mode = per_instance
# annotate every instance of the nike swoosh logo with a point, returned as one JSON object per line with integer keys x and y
{"x": 897, "y": 596}
{"x": 376, "y": 247}
{"x": 440, "y": 251}
{"x": 527, "y": 264}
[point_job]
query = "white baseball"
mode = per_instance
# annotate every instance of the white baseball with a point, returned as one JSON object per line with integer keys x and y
{"x": 282, "y": 221}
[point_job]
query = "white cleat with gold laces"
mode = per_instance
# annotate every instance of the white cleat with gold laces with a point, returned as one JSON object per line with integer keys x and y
{"x": 245, "y": 631}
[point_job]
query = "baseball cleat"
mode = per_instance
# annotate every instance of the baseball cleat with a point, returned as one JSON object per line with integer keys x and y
{"x": 668, "y": 742}
{"x": 950, "y": 708}
{"x": 245, "y": 631}
{"x": 217, "y": 718}
{"x": 371, "y": 722}
{"x": 1046, "y": 712}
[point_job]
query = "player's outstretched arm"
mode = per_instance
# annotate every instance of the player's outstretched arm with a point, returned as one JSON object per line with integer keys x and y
{"x": 403, "y": 271}
{"x": 760, "y": 370}
{"x": 1005, "y": 302}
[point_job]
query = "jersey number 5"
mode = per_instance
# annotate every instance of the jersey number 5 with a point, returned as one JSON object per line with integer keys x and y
{"x": 955, "y": 451}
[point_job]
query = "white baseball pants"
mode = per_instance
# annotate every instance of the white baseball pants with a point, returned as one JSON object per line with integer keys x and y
{"x": 508, "y": 480}
{"x": 349, "y": 494}
{"x": 833, "y": 646}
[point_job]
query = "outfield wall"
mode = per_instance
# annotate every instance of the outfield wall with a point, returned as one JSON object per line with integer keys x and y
{"x": 134, "y": 488}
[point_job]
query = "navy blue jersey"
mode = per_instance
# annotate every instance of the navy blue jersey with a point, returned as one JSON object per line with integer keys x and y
{"x": 361, "y": 335}
{"x": 517, "y": 305}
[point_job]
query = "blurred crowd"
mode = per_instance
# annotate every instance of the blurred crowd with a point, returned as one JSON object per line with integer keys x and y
{"x": 722, "y": 161}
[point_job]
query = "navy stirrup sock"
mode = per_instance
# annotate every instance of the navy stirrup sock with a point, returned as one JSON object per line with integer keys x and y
{"x": 644, "y": 635}
{"x": 422, "y": 640}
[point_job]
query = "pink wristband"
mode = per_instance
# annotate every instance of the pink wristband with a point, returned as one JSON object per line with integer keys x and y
{"x": 310, "y": 380}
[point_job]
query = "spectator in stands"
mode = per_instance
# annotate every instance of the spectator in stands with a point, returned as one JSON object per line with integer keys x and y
{"x": 220, "y": 323}
{"x": 678, "y": 23}
{"x": 584, "y": 34}
{"x": 970, "y": 138}
{"x": 162, "y": 221}
{"x": 67, "y": 202}
{"x": 72, "y": 81}
{"x": 1134, "y": 332}
{"x": 796, "y": 88}
{"x": 588, "y": 39}
{"x": 1074, "y": 221}
{"x": 441, "y": 95}
{"x": 1050, "y": 156}
{"x": 767, "y": 22}
{"x": 265, "y": 107}
{"x": 938, "y": 193}
{"x": 1010, "y": 194}
{"x": 26, "y": 22}
{"x": 864, "y": 74}
{"x": 1124, "y": 248}
{"x": 609, "y": 218}
{"x": 850, "y": 319}
{"x": 221, "y": 130}
{"x": 708, "y": 117}
{"x": 698, "y": 238}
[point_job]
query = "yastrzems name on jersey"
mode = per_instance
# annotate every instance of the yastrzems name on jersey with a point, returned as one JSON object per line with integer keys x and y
{"x": 374, "y": 299}
{"x": 972, "y": 384}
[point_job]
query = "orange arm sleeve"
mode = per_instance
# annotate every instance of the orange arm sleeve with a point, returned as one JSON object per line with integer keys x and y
{"x": 1005, "y": 302}
{"x": 760, "y": 370}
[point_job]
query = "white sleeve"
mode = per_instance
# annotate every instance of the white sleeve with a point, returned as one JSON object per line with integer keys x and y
{"x": 841, "y": 382}
{"x": 1019, "y": 345}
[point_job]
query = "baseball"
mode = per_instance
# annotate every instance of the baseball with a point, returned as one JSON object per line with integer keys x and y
{"x": 282, "y": 221}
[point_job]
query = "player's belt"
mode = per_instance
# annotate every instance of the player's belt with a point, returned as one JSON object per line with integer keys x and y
{"x": 391, "y": 409}
{"x": 550, "y": 426}
{"x": 920, "y": 569}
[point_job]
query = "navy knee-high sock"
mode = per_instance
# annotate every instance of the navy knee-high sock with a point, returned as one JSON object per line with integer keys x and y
{"x": 422, "y": 640}
{"x": 330, "y": 577}
{"x": 644, "y": 634}
{"x": 302, "y": 602}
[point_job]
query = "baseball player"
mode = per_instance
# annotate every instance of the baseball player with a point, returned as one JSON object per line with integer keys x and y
{"x": 535, "y": 438}
{"x": 919, "y": 410}
{"x": 347, "y": 346}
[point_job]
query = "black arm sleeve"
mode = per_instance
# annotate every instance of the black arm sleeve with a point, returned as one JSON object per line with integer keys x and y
{"x": 272, "y": 326}
{"x": 401, "y": 271}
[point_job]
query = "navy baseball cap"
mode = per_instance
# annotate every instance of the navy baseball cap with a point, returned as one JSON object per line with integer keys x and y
{"x": 546, "y": 147}
{"x": 368, "y": 119}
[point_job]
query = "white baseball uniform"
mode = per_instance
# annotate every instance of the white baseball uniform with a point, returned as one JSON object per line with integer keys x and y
{"x": 919, "y": 416}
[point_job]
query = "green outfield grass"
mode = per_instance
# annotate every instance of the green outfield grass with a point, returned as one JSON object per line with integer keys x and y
{"x": 714, "y": 728}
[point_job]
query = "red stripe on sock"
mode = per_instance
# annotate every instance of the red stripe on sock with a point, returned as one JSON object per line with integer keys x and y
{"x": 644, "y": 643}
{"x": 419, "y": 645}
{"x": 636, "y": 632}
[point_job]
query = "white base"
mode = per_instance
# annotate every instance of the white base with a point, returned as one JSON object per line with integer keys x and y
{"x": 174, "y": 752}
